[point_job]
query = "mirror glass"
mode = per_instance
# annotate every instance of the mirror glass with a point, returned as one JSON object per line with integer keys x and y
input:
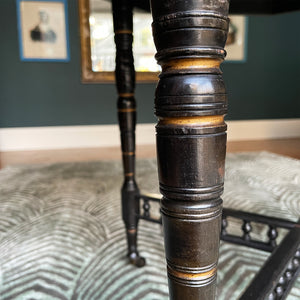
{"x": 98, "y": 47}
{"x": 102, "y": 39}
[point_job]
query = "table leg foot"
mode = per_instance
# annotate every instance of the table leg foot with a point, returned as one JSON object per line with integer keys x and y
{"x": 130, "y": 212}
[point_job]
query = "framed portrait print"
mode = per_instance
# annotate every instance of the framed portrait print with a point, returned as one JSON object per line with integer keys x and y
{"x": 43, "y": 30}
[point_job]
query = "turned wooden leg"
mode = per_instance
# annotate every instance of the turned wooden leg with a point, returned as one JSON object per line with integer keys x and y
{"x": 190, "y": 104}
{"x": 125, "y": 81}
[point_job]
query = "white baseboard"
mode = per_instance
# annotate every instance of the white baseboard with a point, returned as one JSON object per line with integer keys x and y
{"x": 263, "y": 129}
{"x": 90, "y": 136}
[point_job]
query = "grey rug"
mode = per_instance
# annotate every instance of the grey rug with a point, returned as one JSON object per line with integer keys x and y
{"x": 62, "y": 237}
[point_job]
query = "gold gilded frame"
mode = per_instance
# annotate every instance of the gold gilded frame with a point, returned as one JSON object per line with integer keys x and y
{"x": 87, "y": 74}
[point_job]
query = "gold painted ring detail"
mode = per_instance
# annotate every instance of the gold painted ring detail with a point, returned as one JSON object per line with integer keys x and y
{"x": 123, "y": 31}
{"x": 192, "y": 276}
{"x": 193, "y": 120}
{"x": 126, "y": 110}
{"x": 126, "y": 95}
{"x": 191, "y": 63}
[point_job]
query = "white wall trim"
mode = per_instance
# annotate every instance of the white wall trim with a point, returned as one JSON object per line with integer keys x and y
{"x": 90, "y": 136}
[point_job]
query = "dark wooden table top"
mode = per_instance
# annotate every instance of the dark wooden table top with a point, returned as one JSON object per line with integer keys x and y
{"x": 246, "y": 6}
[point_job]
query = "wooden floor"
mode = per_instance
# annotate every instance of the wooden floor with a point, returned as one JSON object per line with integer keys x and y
{"x": 287, "y": 147}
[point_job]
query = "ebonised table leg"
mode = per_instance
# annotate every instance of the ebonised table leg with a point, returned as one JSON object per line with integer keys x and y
{"x": 190, "y": 104}
{"x": 125, "y": 81}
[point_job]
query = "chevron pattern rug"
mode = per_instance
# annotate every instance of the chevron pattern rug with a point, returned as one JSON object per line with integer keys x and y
{"x": 62, "y": 237}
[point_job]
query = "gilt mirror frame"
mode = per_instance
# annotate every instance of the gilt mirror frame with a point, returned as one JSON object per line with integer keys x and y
{"x": 87, "y": 73}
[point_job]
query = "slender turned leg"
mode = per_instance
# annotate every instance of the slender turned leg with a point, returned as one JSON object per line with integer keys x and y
{"x": 191, "y": 139}
{"x": 125, "y": 80}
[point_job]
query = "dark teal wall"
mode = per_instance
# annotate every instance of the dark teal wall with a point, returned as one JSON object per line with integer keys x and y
{"x": 48, "y": 94}
{"x": 267, "y": 86}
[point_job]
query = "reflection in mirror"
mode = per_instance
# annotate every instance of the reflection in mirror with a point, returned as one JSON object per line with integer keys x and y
{"x": 98, "y": 48}
{"x": 102, "y": 39}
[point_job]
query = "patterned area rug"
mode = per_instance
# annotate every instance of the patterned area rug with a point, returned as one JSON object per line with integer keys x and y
{"x": 62, "y": 237}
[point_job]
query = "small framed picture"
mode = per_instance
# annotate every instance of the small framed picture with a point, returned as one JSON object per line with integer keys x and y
{"x": 43, "y": 30}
